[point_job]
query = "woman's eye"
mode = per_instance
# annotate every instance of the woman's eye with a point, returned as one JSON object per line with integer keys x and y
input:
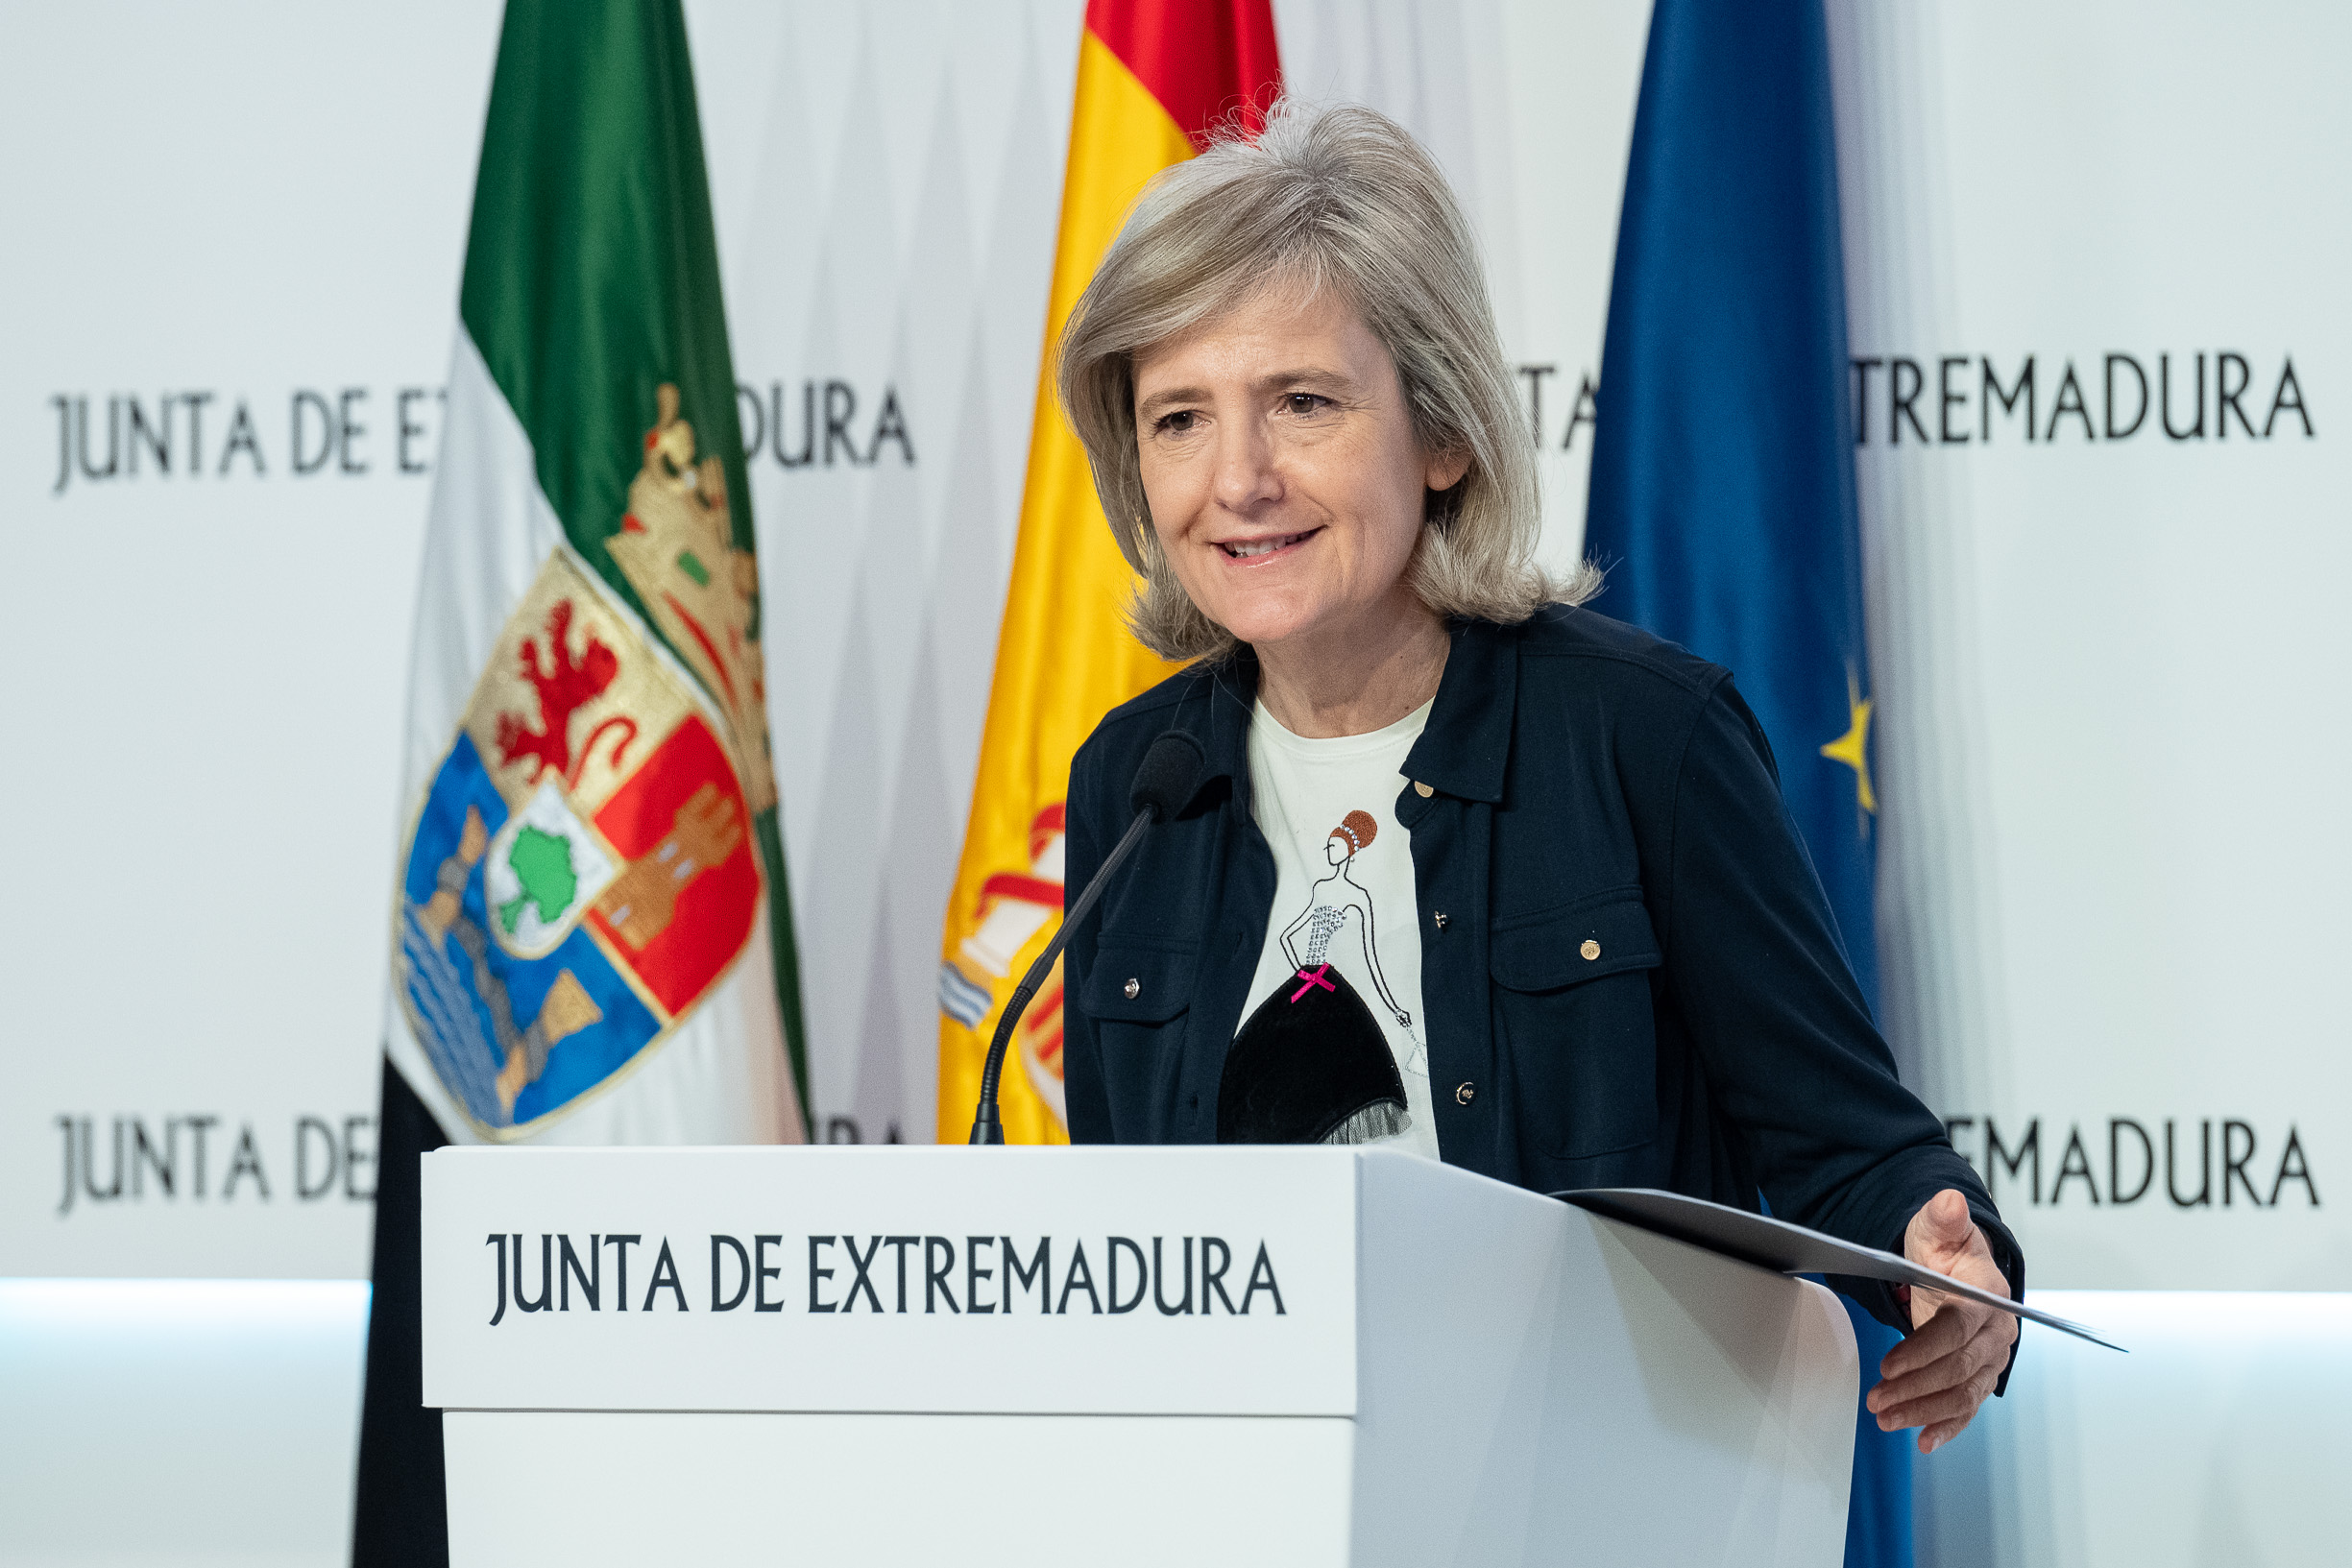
{"x": 1181, "y": 422}
{"x": 1303, "y": 402}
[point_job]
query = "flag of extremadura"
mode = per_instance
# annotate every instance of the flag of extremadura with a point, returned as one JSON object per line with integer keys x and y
{"x": 592, "y": 888}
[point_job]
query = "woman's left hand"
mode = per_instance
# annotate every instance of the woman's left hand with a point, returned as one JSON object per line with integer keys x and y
{"x": 1947, "y": 1366}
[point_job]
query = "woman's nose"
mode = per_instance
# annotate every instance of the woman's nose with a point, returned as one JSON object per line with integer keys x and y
{"x": 1246, "y": 479}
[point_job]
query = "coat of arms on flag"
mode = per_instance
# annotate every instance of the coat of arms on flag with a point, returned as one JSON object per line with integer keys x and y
{"x": 582, "y": 871}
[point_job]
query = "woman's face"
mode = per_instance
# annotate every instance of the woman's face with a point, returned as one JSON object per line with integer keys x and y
{"x": 1335, "y": 850}
{"x": 1285, "y": 481}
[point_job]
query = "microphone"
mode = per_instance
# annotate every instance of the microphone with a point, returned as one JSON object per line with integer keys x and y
{"x": 1164, "y": 785}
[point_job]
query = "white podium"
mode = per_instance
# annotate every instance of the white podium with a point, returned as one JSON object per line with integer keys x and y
{"x": 1179, "y": 1356}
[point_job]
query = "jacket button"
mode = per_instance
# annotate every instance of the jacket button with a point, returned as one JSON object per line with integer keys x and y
{"x": 1591, "y": 950}
{"x": 1421, "y": 789}
{"x": 1436, "y": 918}
{"x": 1134, "y": 989}
{"x": 1465, "y": 1094}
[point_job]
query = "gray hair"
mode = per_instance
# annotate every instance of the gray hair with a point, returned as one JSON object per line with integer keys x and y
{"x": 1322, "y": 198}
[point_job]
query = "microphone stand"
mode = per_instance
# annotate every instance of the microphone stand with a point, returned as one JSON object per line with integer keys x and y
{"x": 985, "y": 1127}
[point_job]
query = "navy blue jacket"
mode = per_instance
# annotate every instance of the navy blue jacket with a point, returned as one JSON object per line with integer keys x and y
{"x": 1630, "y": 974}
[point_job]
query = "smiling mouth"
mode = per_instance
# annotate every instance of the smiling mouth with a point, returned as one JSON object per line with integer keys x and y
{"x": 1251, "y": 549}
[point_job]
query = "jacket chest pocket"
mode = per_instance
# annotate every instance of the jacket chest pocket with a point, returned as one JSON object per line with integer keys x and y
{"x": 1137, "y": 996}
{"x": 1572, "y": 1003}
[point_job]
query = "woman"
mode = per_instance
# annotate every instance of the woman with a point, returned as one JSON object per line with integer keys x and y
{"x": 1608, "y": 955}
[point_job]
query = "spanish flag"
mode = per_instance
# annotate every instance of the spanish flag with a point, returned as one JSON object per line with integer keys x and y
{"x": 1153, "y": 76}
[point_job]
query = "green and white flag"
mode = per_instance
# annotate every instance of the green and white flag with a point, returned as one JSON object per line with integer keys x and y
{"x": 592, "y": 939}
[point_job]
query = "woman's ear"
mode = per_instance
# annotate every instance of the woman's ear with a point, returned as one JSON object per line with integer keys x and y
{"x": 1445, "y": 470}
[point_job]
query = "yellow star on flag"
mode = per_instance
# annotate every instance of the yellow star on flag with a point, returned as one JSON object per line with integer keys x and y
{"x": 1852, "y": 747}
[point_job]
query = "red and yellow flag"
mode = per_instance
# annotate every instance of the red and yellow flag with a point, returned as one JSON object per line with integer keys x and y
{"x": 1152, "y": 76}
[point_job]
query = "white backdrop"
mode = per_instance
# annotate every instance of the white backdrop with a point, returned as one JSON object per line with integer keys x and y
{"x": 2103, "y": 664}
{"x": 2108, "y": 736}
{"x": 2110, "y": 670}
{"x": 205, "y": 666}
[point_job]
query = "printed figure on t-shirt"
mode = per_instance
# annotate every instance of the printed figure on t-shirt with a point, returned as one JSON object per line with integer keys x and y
{"x": 1331, "y": 903}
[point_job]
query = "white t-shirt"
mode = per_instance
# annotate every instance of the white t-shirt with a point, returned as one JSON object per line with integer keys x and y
{"x": 1343, "y": 890}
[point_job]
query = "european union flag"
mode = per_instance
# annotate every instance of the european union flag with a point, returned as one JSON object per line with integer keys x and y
{"x": 1723, "y": 497}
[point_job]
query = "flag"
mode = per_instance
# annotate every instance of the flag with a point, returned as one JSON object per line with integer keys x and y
{"x": 591, "y": 937}
{"x": 1153, "y": 76}
{"x": 1722, "y": 502}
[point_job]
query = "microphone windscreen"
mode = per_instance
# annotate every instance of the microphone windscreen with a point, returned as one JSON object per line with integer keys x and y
{"x": 1170, "y": 774}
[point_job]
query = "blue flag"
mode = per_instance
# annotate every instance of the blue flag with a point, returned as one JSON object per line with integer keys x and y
{"x": 1723, "y": 501}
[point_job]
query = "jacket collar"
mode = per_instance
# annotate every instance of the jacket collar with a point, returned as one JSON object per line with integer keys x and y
{"x": 1230, "y": 687}
{"x": 1466, "y": 747}
{"x": 1463, "y": 751}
